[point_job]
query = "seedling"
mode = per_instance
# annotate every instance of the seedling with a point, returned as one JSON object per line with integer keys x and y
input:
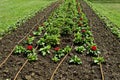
{"x": 93, "y": 50}
{"x": 98, "y": 60}
{"x": 19, "y": 49}
{"x": 78, "y": 38}
{"x": 55, "y": 59}
{"x": 30, "y": 40}
{"x": 45, "y": 50}
{"x": 39, "y": 31}
{"x": 66, "y": 31}
{"x": 58, "y": 52}
{"x": 41, "y": 42}
{"x": 32, "y": 56}
{"x": 75, "y": 59}
{"x": 52, "y": 40}
{"x": 80, "y": 49}
{"x": 67, "y": 49}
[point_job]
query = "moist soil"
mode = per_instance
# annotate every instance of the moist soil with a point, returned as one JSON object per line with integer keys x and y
{"x": 43, "y": 68}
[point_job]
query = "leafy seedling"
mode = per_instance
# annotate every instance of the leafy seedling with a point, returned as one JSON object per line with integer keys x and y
{"x": 19, "y": 49}
{"x": 45, "y": 50}
{"x": 80, "y": 49}
{"x": 55, "y": 59}
{"x": 75, "y": 59}
{"x": 98, "y": 60}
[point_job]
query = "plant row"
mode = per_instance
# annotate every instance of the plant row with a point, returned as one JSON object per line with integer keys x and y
{"x": 66, "y": 21}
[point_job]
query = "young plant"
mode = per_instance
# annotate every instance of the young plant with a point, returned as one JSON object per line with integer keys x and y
{"x": 38, "y": 32}
{"x": 19, "y": 49}
{"x": 75, "y": 59}
{"x": 32, "y": 56}
{"x": 78, "y": 39}
{"x": 45, "y": 50}
{"x": 86, "y": 33}
{"x": 80, "y": 49}
{"x": 66, "y": 31}
{"x": 55, "y": 59}
{"x": 88, "y": 40}
{"x": 58, "y": 52}
{"x": 53, "y": 31}
{"x": 67, "y": 49}
{"x": 52, "y": 40}
{"x": 30, "y": 40}
{"x": 98, "y": 60}
{"x": 92, "y": 50}
{"x": 41, "y": 42}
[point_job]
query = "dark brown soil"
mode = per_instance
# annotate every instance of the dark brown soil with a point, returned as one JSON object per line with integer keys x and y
{"x": 107, "y": 43}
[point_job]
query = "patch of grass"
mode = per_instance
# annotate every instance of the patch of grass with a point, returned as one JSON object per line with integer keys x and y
{"x": 12, "y": 11}
{"x": 109, "y": 13}
{"x": 110, "y": 10}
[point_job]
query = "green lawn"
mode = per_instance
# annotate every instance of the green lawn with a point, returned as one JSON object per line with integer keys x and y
{"x": 110, "y": 10}
{"x": 12, "y": 11}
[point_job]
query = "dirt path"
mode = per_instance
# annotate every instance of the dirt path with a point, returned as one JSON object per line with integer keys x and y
{"x": 107, "y": 43}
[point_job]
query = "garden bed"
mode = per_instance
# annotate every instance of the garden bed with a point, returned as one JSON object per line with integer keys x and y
{"x": 69, "y": 29}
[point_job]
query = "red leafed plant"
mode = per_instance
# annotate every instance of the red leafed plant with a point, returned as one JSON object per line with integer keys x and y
{"x": 57, "y": 48}
{"x": 93, "y": 48}
{"x": 29, "y": 47}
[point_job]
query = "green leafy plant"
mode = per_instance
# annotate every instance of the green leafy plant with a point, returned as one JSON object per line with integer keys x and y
{"x": 93, "y": 50}
{"x": 75, "y": 59}
{"x": 19, "y": 49}
{"x": 86, "y": 33}
{"x": 53, "y": 31}
{"x": 52, "y": 40}
{"x": 30, "y": 40}
{"x": 89, "y": 40}
{"x": 55, "y": 59}
{"x": 32, "y": 56}
{"x": 98, "y": 60}
{"x": 67, "y": 49}
{"x": 38, "y": 32}
{"x": 41, "y": 42}
{"x": 80, "y": 49}
{"x": 58, "y": 52}
{"x": 66, "y": 31}
{"x": 45, "y": 50}
{"x": 78, "y": 39}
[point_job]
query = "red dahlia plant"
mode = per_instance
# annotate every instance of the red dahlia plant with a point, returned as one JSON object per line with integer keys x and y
{"x": 57, "y": 48}
{"x": 93, "y": 48}
{"x": 29, "y": 47}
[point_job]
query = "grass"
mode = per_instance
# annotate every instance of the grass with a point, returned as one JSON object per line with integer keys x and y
{"x": 110, "y": 10}
{"x": 12, "y": 11}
